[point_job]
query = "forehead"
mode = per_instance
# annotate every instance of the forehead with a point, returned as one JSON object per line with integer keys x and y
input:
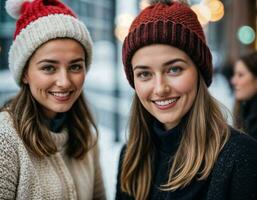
{"x": 160, "y": 49}
{"x": 55, "y": 43}
{"x": 158, "y": 53}
{"x": 57, "y": 47}
{"x": 241, "y": 66}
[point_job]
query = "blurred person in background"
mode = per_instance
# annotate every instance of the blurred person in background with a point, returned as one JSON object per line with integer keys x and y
{"x": 48, "y": 138}
{"x": 180, "y": 145}
{"x": 244, "y": 82}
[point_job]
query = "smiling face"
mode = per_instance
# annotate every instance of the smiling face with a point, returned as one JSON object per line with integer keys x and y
{"x": 165, "y": 81}
{"x": 244, "y": 82}
{"x": 55, "y": 75}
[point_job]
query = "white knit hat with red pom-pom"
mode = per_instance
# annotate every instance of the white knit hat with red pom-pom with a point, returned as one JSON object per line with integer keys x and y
{"x": 38, "y": 22}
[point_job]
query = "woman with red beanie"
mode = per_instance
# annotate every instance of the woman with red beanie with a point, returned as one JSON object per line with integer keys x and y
{"x": 48, "y": 137}
{"x": 180, "y": 145}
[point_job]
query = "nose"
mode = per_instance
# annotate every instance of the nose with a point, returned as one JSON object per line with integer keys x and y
{"x": 63, "y": 79}
{"x": 233, "y": 80}
{"x": 162, "y": 86}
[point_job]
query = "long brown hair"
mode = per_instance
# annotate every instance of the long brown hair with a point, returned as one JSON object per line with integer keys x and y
{"x": 30, "y": 125}
{"x": 204, "y": 134}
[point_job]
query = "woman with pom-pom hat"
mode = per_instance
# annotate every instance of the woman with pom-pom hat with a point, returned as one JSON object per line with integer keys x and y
{"x": 48, "y": 137}
{"x": 179, "y": 145}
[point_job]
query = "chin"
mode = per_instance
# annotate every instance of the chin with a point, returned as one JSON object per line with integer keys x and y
{"x": 62, "y": 110}
{"x": 240, "y": 98}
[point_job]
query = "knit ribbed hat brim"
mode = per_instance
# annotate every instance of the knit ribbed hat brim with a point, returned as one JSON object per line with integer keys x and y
{"x": 42, "y": 30}
{"x": 173, "y": 24}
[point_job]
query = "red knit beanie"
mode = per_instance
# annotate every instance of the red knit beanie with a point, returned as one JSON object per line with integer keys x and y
{"x": 172, "y": 23}
{"x": 39, "y": 21}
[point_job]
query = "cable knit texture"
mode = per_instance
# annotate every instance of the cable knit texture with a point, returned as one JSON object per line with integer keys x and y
{"x": 23, "y": 176}
{"x": 173, "y": 24}
{"x": 39, "y": 22}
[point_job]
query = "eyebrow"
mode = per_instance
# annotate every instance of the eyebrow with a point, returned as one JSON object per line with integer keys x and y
{"x": 174, "y": 61}
{"x": 164, "y": 64}
{"x": 56, "y": 62}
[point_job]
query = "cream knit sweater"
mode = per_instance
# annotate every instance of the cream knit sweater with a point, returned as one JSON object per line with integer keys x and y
{"x": 25, "y": 177}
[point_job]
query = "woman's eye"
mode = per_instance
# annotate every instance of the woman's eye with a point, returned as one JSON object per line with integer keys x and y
{"x": 143, "y": 75}
{"x": 48, "y": 68}
{"x": 75, "y": 68}
{"x": 175, "y": 70}
{"x": 240, "y": 75}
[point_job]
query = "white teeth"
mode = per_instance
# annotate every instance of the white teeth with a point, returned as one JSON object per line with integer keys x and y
{"x": 166, "y": 102}
{"x": 60, "y": 94}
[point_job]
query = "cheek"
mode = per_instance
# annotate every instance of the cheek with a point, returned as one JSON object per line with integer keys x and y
{"x": 185, "y": 85}
{"x": 252, "y": 87}
{"x": 140, "y": 93}
{"x": 184, "y": 88}
{"x": 240, "y": 81}
{"x": 142, "y": 89}
{"x": 37, "y": 79}
{"x": 79, "y": 80}
{"x": 39, "y": 82}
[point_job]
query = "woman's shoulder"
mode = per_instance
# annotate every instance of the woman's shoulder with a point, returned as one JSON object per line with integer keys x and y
{"x": 121, "y": 157}
{"x": 9, "y": 142}
{"x": 93, "y": 154}
{"x": 122, "y": 151}
{"x": 242, "y": 141}
{"x": 240, "y": 148}
{"x": 235, "y": 171}
{"x": 8, "y": 135}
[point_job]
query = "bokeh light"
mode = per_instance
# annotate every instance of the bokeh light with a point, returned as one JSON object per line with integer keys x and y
{"x": 143, "y": 4}
{"x": 123, "y": 23}
{"x": 246, "y": 34}
{"x": 203, "y": 13}
{"x": 216, "y": 8}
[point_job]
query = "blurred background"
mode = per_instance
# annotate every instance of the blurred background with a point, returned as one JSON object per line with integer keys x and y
{"x": 230, "y": 28}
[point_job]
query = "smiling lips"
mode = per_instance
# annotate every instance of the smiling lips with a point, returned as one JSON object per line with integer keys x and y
{"x": 166, "y": 104}
{"x": 61, "y": 96}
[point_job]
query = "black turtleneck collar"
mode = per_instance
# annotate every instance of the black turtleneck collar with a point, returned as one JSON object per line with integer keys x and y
{"x": 248, "y": 116}
{"x": 57, "y": 123}
{"x": 167, "y": 141}
{"x": 250, "y": 103}
{"x": 249, "y": 107}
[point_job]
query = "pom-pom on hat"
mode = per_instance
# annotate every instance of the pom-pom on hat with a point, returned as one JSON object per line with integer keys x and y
{"x": 173, "y": 23}
{"x": 38, "y": 22}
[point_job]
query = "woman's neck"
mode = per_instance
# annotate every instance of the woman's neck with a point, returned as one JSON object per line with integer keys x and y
{"x": 57, "y": 123}
{"x": 167, "y": 140}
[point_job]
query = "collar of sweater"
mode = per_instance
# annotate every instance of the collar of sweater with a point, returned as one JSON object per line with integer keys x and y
{"x": 60, "y": 139}
{"x": 58, "y": 131}
{"x": 249, "y": 107}
{"x": 166, "y": 141}
{"x": 56, "y": 124}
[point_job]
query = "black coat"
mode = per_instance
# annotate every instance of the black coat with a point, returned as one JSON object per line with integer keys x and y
{"x": 248, "y": 113}
{"x": 234, "y": 176}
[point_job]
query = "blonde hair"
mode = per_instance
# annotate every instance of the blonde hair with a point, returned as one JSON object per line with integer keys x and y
{"x": 204, "y": 134}
{"x": 32, "y": 129}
